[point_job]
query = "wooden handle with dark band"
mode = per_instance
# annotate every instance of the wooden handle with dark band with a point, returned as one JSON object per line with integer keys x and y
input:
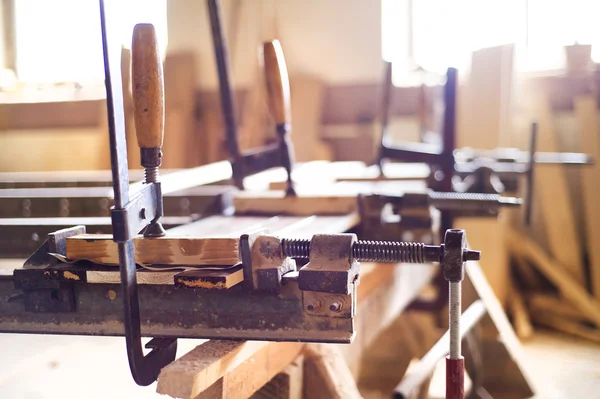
{"x": 278, "y": 84}
{"x": 147, "y": 87}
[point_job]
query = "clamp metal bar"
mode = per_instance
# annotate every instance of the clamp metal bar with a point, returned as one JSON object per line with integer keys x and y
{"x": 144, "y": 369}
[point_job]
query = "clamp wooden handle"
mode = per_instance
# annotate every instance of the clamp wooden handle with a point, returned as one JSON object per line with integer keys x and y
{"x": 278, "y": 84}
{"x": 147, "y": 87}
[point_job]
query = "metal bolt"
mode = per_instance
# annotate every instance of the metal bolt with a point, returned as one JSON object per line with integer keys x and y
{"x": 314, "y": 306}
{"x": 335, "y": 307}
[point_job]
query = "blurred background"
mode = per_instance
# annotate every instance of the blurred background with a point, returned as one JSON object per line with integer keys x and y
{"x": 518, "y": 61}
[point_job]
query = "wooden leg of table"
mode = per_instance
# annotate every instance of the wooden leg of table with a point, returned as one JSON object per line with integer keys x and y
{"x": 326, "y": 374}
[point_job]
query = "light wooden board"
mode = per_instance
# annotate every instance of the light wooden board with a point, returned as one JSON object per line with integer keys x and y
{"x": 327, "y": 374}
{"x": 276, "y": 202}
{"x": 572, "y": 291}
{"x": 485, "y": 100}
{"x": 307, "y": 95}
{"x": 168, "y": 250}
{"x": 586, "y": 111}
{"x": 552, "y": 195}
{"x": 288, "y": 384}
{"x": 553, "y": 304}
{"x": 487, "y": 235}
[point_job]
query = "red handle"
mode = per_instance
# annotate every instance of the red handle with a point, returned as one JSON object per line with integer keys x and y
{"x": 455, "y": 378}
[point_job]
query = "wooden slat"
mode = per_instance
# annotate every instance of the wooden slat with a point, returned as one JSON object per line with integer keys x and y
{"x": 556, "y": 273}
{"x": 221, "y": 279}
{"x": 587, "y": 118}
{"x": 422, "y": 371}
{"x": 505, "y": 349}
{"x": 287, "y": 384}
{"x": 101, "y": 248}
{"x": 326, "y": 374}
{"x": 276, "y": 203}
{"x": 552, "y": 193}
{"x": 558, "y": 323}
{"x": 553, "y": 304}
{"x": 520, "y": 315}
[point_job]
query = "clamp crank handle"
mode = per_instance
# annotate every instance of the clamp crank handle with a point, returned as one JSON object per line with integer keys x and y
{"x": 149, "y": 112}
{"x": 148, "y": 94}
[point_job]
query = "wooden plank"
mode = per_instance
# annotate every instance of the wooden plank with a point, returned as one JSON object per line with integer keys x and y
{"x": 221, "y": 279}
{"x": 556, "y": 273}
{"x": 422, "y": 371}
{"x": 307, "y": 96}
{"x": 143, "y": 277}
{"x": 552, "y": 193}
{"x": 276, "y": 203}
{"x": 505, "y": 349}
{"x": 487, "y": 235}
{"x": 181, "y": 145}
{"x": 168, "y": 250}
{"x": 558, "y": 323}
{"x": 288, "y": 384}
{"x": 246, "y": 366}
{"x": 540, "y": 302}
{"x": 326, "y": 374}
{"x": 520, "y": 315}
{"x": 587, "y": 118}
{"x": 485, "y": 100}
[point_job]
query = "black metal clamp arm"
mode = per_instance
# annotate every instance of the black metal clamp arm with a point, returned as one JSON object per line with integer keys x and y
{"x": 147, "y": 205}
{"x": 245, "y": 163}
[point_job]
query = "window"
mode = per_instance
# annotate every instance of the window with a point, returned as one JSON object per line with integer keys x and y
{"x": 60, "y": 40}
{"x": 436, "y": 34}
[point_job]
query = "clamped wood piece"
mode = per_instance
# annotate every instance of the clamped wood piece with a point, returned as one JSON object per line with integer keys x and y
{"x": 149, "y": 112}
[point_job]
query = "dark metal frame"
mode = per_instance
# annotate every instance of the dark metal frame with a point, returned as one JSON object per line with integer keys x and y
{"x": 258, "y": 159}
{"x": 129, "y": 216}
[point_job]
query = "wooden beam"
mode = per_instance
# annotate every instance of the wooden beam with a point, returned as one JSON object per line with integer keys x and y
{"x": 520, "y": 315}
{"x": 238, "y": 368}
{"x": 586, "y": 111}
{"x": 558, "y": 323}
{"x": 326, "y": 374}
{"x": 422, "y": 371}
{"x": 101, "y": 248}
{"x": 549, "y": 303}
{"x": 553, "y": 270}
{"x": 276, "y": 203}
{"x": 552, "y": 193}
{"x": 288, "y": 384}
{"x": 505, "y": 349}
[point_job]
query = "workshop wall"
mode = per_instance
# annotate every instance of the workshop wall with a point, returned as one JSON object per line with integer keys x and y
{"x": 337, "y": 41}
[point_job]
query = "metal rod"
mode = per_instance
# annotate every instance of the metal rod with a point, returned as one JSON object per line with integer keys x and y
{"x": 143, "y": 369}
{"x": 227, "y": 95}
{"x": 454, "y": 307}
{"x": 530, "y": 173}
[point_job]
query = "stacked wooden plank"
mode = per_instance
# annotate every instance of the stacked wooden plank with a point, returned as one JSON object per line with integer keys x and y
{"x": 556, "y": 261}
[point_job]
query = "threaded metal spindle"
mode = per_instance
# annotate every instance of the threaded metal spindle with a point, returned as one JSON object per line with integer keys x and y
{"x": 450, "y": 200}
{"x": 296, "y": 248}
{"x": 373, "y": 251}
{"x": 389, "y": 251}
{"x": 151, "y": 174}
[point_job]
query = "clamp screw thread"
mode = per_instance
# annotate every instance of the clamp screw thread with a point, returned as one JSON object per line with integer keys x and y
{"x": 373, "y": 251}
